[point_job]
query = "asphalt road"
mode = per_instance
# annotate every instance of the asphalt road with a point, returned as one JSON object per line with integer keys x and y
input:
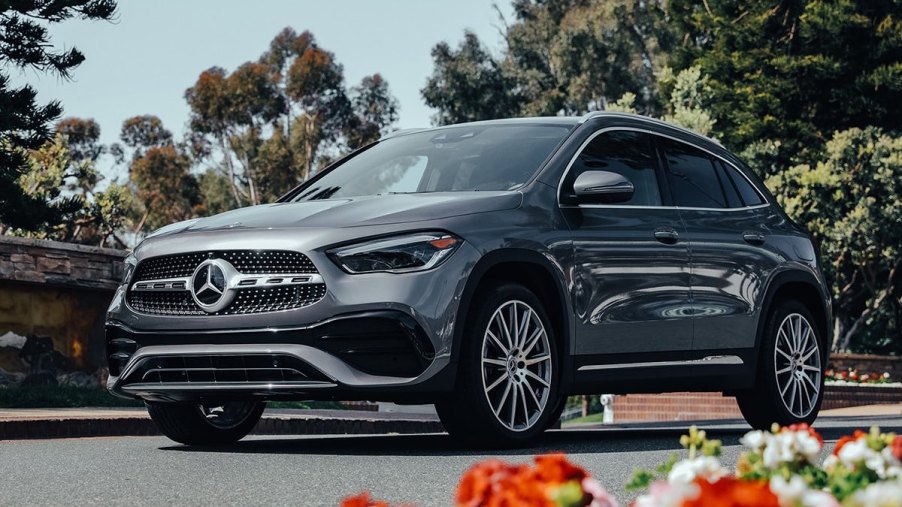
{"x": 419, "y": 469}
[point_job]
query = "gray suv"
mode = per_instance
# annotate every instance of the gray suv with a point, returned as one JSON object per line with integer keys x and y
{"x": 490, "y": 268}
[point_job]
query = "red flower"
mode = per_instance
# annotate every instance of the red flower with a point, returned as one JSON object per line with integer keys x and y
{"x": 846, "y": 439}
{"x": 555, "y": 469}
{"x": 896, "y": 447}
{"x": 497, "y": 484}
{"x": 362, "y": 500}
{"x": 732, "y": 492}
{"x": 805, "y": 427}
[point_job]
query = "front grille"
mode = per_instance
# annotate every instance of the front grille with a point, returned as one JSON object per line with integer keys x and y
{"x": 177, "y": 300}
{"x": 223, "y": 368}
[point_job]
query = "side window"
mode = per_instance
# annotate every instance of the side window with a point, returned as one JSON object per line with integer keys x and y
{"x": 692, "y": 177}
{"x": 750, "y": 196}
{"x": 729, "y": 187}
{"x": 624, "y": 152}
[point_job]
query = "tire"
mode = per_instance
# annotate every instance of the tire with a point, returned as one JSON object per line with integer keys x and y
{"x": 196, "y": 424}
{"x": 484, "y": 388}
{"x": 786, "y": 378}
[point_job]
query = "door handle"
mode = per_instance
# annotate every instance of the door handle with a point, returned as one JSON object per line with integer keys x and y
{"x": 666, "y": 235}
{"x": 753, "y": 238}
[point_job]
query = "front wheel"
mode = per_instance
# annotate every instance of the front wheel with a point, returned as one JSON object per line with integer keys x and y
{"x": 507, "y": 389}
{"x": 205, "y": 424}
{"x": 790, "y": 379}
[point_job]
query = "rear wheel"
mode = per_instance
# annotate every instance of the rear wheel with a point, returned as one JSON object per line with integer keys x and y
{"x": 507, "y": 390}
{"x": 205, "y": 424}
{"x": 790, "y": 379}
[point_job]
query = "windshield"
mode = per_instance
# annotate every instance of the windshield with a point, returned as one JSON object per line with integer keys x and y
{"x": 469, "y": 157}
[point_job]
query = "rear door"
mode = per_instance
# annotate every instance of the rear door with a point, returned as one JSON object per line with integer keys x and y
{"x": 631, "y": 269}
{"x": 724, "y": 218}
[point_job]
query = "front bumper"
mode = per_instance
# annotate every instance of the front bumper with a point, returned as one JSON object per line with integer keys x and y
{"x": 364, "y": 355}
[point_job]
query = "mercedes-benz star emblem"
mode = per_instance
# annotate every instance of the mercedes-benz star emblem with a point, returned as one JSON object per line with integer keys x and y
{"x": 211, "y": 285}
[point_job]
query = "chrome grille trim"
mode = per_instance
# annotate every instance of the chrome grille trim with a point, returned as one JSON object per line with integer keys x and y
{"x": 261, "y": 281}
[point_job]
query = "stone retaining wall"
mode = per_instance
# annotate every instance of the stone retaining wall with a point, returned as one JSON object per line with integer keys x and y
{"x": 53, "y": 301}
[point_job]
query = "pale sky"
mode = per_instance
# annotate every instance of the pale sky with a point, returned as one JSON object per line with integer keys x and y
{"x": 143, "y": 62}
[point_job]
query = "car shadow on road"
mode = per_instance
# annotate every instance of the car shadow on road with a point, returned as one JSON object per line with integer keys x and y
{"x": 642, "y": 437}
{"x": 440, "y": 444}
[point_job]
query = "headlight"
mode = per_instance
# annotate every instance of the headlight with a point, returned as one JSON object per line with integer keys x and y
{"x": 401, "y": 254}
{"x": 129, "y": 267}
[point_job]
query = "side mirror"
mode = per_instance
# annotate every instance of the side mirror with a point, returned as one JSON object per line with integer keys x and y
{"x": 602, "y": 187}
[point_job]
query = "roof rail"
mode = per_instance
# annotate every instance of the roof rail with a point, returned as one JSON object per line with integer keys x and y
{"x": 594, "y": 114}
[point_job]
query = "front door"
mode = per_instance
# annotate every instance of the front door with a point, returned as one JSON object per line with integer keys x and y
{"x": 631, "y": 261}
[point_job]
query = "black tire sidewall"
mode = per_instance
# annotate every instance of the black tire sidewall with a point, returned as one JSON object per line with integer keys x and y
{"x": 767, "y": 390}
{"x": 469, "y": 400}
{"x": 184, "y": 423}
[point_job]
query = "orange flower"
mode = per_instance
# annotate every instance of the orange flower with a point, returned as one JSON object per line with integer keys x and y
{"x": 846, "y": 439}
{"x": 555, "y": 469}
{"x": 732, "y": 492}
{"x": 805, "y": 427}
{"x": 497, "y": 484}
{"x": 362, "y": 500}
{"x": 896, "y": 447}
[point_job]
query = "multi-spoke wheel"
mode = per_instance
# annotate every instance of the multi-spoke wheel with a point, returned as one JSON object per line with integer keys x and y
{"x": 797, "y": 361}
{"x": 516, "y": 365}
{"x": 790, "y": 380}
{"x": 507, "y": 383}
{"x": 205, "y": 424}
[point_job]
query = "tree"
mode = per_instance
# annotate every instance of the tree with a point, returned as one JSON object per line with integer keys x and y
{"x": 267, "y": 125}
{"x": 315, "y": 87}
{"x": 785, "y": 75}
{"x": 66, "y": 166}
{"x": 468, "y": 84}
{"x": 24, "y": 125}
{"x": 375, "y": 111}
{"x": 851, "y": 200}
{"x": 159, "y": 174}
{"x": 561, "y": 57}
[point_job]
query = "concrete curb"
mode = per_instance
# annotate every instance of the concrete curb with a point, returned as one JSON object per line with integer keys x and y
{"x": 272, "y": 425}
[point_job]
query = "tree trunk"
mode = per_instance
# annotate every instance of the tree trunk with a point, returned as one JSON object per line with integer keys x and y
{"x": 585, "y": 405}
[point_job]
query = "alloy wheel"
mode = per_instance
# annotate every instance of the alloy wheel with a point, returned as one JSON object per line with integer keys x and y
{"x": 797, "y": 365}
{"x": 516, "y": 365}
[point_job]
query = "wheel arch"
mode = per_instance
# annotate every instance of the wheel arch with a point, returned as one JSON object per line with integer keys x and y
{"x": 533, "y": 270}
{"x": 805, "y": 288}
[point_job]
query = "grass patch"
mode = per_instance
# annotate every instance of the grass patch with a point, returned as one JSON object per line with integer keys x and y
{"x": 61, "y": 397}
{"x": 329, "y": 405}
{"x": 591, "y": 418}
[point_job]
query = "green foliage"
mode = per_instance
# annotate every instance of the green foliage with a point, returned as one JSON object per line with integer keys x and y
{"x": 851, "y": 201}
{"x": 788, "y": 74}
{"x": 24, "y": 125}
{"x": 266, "y": 125}
{"x": 58, "y": 396}
{"x": 64, "y": 171}
{"x": 561, "y": 57}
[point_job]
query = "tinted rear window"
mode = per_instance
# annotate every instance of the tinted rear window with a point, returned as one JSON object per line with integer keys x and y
{"x": 692, "y": 177}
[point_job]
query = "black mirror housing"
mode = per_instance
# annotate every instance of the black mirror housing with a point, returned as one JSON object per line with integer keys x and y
{"x": 602, "y": 187}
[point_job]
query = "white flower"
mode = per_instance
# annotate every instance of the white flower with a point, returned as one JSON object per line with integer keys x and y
{"x": 783, "y": 447}
{"x": 705, "y": 467}
{"x": 878, "y": 494}
{"x": 755, "y": 440}
{"x": 662, "y": 494}
{"x": 795, "y": 493}
{"x": 856, "y": 453}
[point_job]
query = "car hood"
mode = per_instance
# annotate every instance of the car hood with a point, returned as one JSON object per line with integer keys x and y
{"x": 353, "y": 212}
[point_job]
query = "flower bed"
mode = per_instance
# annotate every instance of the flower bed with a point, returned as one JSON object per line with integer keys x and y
{"x": 779, "y": 468}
